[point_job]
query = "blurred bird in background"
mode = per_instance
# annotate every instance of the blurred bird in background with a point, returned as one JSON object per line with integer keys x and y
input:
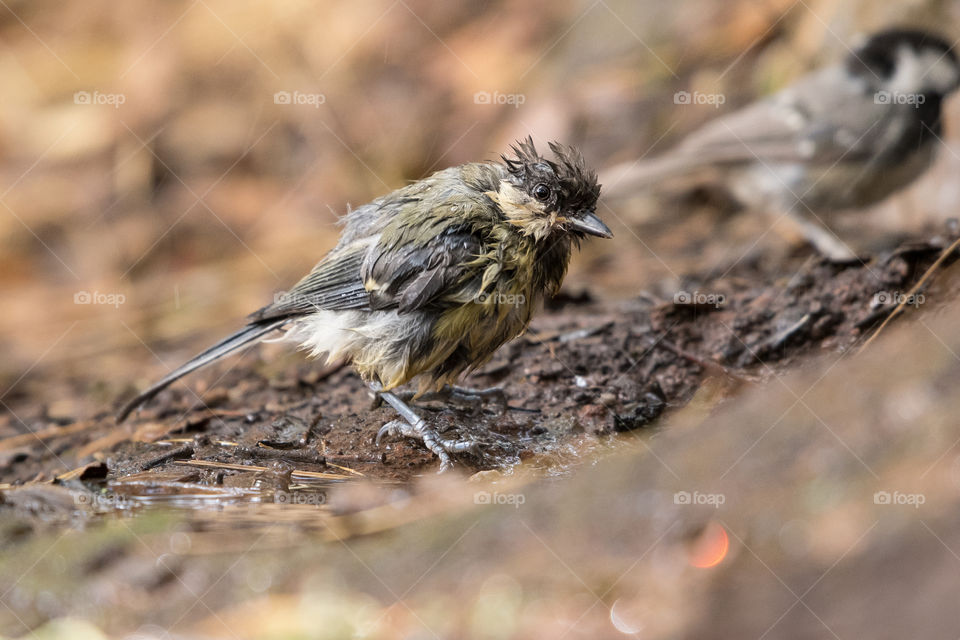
{"x": 843, "y": 137}
{"x": 429, "y": 280}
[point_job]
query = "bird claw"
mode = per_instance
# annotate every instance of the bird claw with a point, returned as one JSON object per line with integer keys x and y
{"x": 394, "y": 429}
{"x": 431, "y": 439}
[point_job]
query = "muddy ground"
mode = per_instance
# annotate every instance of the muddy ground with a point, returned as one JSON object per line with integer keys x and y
{"x": 255, "y": 464}
{"x": 585, "y": 372}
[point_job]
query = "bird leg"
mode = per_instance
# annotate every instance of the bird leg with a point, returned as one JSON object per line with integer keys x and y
{"x": 472, "y": 394}
{"x": 823, "y": 239}
{"x": 413, "y": 426}
{"x": 452, "y": 393}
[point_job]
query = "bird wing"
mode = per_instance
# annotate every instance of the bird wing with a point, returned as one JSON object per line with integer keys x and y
{"x": 406, "y": 278}
{"x": 411, "y": 276}
{"x": 824, "y": 117}
{"x": 404, "y": 251}
{"x": 333, "y": 284}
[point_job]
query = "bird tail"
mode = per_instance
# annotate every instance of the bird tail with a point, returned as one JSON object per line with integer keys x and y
{"x": 248, "y": 334}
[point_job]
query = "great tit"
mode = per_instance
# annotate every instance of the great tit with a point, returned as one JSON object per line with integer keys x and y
{"x": 428, "y": 281}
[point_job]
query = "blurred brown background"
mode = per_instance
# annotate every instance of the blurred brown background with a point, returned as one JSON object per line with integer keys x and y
{"x": 168, "y": 167}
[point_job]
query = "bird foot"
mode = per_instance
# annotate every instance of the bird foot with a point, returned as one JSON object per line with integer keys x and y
{"x": 825, "y": 241}
{"x": 431, "y": 439}
{"x": 413, "y": 426}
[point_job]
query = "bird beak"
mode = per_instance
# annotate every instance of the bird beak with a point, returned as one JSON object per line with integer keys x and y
{"x": 587, "y": 222}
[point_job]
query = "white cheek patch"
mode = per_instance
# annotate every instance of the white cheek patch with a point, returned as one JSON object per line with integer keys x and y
{"x": 523, "y": 211}
{"x": 929, "y": 70}
{"x": 513, "y": 200}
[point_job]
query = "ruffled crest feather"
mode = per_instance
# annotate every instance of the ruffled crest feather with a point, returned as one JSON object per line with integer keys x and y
{"x": 578, "y": 181}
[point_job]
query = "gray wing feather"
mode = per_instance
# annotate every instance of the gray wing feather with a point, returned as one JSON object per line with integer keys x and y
{"x": 365, "y": 274}
{"x": 334, "y": 284}
{"x": 811, "y": 121}
{"x": 821, "y": 118}
{"x": 410, "y": 278}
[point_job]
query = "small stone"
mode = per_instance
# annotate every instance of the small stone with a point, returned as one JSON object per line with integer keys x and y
{"x": 607, "y": 398}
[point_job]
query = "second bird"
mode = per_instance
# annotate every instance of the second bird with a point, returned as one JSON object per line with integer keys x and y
{"x": 840, "y": 138}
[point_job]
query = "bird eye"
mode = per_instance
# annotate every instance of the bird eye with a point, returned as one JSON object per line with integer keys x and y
{"x": 541, "y": 192}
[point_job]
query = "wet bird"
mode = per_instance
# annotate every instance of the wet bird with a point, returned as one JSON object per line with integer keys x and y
{"x": 843, "y": 137}
{"x": 428, "y": 281}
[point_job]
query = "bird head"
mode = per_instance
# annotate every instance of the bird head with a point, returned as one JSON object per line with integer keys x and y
{"x": 905, "y": 62}
{"x": 542, "y": 197}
